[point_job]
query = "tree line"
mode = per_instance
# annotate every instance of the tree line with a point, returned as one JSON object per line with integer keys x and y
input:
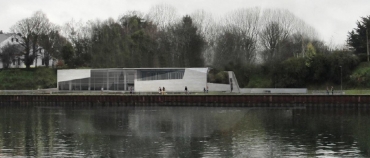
{"x": 273, "y": 42}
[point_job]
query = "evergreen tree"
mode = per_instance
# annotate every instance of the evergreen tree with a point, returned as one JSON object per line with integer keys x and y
{"x": 68, "y": 55}
{"x": 189, "y": 44}
{"x": 357, "y": 37}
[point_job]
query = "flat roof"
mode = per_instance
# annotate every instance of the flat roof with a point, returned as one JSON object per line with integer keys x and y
{"x": 169, "y": 68}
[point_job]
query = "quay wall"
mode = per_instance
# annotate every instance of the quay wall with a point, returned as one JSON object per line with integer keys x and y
{"x": 240, "y": 100}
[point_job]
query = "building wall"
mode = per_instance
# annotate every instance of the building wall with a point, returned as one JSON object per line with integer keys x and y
{"x": 22, "y": 65}
{"x": 71, "y": 74}
{"x": 218, "y": 87}
{"x": 194, "y": 78}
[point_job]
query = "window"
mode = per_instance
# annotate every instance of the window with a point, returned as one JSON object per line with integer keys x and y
{"x": 160, "y": 74}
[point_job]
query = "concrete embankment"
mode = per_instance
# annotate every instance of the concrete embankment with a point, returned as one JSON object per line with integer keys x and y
{"x": 196, "y": 100}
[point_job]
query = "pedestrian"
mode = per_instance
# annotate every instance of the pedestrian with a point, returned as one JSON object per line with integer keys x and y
{"x": 186, "y": 90}
{"x": 163, "y": 91}
{"x": 231, "y": 85}
{"x": 204, "y": 89}
{"x": 131, "y": 92}
{"x": 327, "y": 90}
{"x": 207, "y": 89}
{"x": 332, "y": 90}
{"x": 160, "y": 90}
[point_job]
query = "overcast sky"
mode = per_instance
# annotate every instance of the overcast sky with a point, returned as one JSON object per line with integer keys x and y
{"x": 331, "y": 18}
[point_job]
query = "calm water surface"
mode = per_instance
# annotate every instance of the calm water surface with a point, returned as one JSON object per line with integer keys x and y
{"x": 149, "y": 131}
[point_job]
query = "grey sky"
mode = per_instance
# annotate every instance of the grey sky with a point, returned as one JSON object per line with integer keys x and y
{"x": 331, "y": 18}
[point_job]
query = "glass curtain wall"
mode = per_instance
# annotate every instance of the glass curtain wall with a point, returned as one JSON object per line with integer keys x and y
{"x": 119, "y": 79}
{"x": 107, "y": 79}
{"x": 147, "y": 75}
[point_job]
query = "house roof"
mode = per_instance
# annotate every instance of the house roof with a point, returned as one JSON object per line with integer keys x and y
{"x": 19, "y": 48}
{"x": 3, "y": 37}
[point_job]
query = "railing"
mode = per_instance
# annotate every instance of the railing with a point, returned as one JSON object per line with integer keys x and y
{"x": 324, "y": 92}
{"x": 199, "y": 99}
{"x": 234, "y": 80}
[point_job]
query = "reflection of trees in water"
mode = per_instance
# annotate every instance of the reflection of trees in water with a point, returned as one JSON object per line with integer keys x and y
{"x": 29, "y": 131}
{"x": 321, "y": 132}
{"x": 186, "y": 129}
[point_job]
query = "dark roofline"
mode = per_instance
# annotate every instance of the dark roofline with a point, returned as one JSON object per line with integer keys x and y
{"x": 169, "y": 68}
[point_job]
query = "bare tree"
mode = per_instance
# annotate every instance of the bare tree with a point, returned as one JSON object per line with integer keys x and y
{"x": 239, "y": 36}
{"x": 283, "y": 35}
{"x": 209, "y": 29}
{"x": 29, "y": 30}
{"x": 276, "y": 26}
{"x": 245, "y": 20}
{"x": 52, "y": 42}
{"x": 75, "y": 30}
{"x": 163, "y": 15}
{"x": 271, "y": 36}
{"x": 79, "y": 35}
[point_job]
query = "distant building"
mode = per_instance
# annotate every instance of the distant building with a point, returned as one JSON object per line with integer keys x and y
{"x": 14, "y": 39}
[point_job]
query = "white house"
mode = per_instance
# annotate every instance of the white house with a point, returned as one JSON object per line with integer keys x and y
{"x": 14, "y": 39}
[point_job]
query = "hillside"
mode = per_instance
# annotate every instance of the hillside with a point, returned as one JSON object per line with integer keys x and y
{"x": 23, "y": 79}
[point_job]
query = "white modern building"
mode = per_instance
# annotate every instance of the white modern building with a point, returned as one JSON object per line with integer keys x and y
{"x": 140, "y": 79}
{"x": 150, "y": 79}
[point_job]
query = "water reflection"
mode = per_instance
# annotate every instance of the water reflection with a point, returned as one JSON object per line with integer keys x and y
{"x": 148, "y": 131}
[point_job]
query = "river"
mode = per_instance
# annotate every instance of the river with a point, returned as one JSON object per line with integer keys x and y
{"x": 157, "y": 131}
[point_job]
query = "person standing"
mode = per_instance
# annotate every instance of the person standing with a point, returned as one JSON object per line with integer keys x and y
{"x": 186, "y": 90}
{"x": 163, "y": 91}
{"x": 327, "y": 90}
{"x": 160, "y": 90}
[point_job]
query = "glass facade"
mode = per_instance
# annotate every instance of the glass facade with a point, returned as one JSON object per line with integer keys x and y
{"x": 119, "y": 79}
{"x": 147, "y": 75}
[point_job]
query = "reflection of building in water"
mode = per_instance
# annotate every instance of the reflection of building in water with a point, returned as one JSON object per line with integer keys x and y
{"x": 182, "y": 122}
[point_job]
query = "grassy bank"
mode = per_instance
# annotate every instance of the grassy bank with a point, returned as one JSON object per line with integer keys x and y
{"x": 23, "y": 79}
